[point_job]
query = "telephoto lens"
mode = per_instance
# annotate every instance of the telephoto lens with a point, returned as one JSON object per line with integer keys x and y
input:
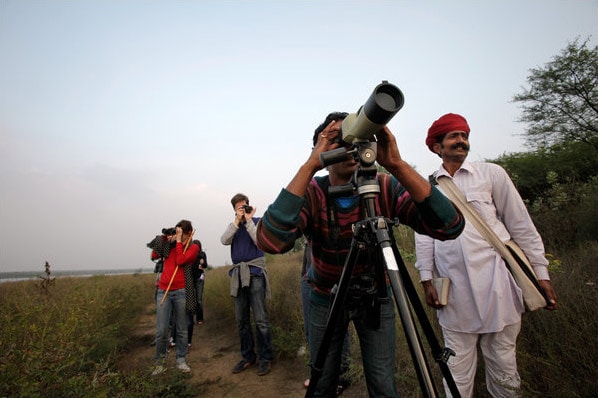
{"x": 169, "y": 231}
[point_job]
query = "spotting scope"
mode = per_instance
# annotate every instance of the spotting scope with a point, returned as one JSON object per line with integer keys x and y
{"x": 383, "y": 104}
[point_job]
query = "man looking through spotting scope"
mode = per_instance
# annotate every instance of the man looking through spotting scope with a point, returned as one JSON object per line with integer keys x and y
{"x": 304, "y": 208}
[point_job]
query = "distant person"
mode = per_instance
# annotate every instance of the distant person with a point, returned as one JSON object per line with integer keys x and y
{"x": 304, "y": 208}
{"x": 158, "y": 267}
{"x": 199, "y": 274}
{"x": 171, "y": 297}
{"x": 249, "y": 286}
{"x": 484, "y": 302}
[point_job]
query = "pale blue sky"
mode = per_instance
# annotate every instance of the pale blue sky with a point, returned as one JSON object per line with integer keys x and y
{"x": 118, "y": 118}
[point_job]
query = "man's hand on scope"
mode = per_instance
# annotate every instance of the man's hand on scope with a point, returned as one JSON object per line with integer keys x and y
{"x": 388, "y": 152}
{"x": 326, "y": 142}
{"x": 389, "y": 157}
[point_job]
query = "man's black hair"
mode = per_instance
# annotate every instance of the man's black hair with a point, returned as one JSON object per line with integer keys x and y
{"x": 334, "y": 116}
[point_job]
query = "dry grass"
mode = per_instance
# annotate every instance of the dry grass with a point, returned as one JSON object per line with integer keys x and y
{"x": 63, "y": 342}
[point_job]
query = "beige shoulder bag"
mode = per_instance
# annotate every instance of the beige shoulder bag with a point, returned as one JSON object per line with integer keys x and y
{"x": 517, "y": 262}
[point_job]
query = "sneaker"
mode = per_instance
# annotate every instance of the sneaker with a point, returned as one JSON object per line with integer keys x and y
{"x": 265, "y": 368}
{"x": 159, "y": 369}
{"x": 183, "y": 367}
{"x": 241, "y": 366}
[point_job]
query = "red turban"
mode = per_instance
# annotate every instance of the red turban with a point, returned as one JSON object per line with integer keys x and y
{"x": 445, "y": 124}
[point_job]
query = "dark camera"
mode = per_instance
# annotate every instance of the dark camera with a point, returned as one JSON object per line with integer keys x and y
{"x": 169, "y": 231}
{"x": 248, "y": 209}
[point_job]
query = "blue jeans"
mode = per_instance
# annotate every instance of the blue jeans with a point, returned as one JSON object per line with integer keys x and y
{"x": 254, "y": 297}
{"x": 305, "y": 304}
{"x": 175, "y": 302}
{"x": 305, "y": 289}
{"x": 199, "y": 284}
{"x": 190, "y": 324}
{"x": 377, "y": 347}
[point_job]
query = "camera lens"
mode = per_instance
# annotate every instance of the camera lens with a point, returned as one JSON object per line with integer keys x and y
{"x": 169, "y": 231}
{"x": 248, "y": 209}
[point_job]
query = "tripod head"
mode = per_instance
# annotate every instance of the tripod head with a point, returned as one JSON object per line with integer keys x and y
{"x": 363, "y": 180}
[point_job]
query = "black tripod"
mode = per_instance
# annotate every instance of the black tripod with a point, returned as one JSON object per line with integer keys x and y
{"x": 374, "y": 233}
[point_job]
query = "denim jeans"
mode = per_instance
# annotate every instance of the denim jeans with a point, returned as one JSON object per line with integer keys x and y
{"x": 190, "y": 325}
{"x": 305, "y": 304}
{"x": 305, "y": 289}
{"x": 175, "y": 302}
{"x": 199, "y": 284}
{"x": 377, "y": 347}
{"x": 254, "y": 297}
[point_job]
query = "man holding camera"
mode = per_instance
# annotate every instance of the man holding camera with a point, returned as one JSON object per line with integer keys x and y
{"x": 304, "y": 208}
{"x": 249, "y": 286}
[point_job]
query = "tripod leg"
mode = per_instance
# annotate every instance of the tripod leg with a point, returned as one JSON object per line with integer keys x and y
{"x": 317, "y": 368}
{"x": 440, "y": 355}
{"x": 402, "y": 303}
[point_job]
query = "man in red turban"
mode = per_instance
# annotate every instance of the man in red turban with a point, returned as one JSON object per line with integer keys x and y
{"x": 484, "y": 303}
{"x": 446, "y": 123}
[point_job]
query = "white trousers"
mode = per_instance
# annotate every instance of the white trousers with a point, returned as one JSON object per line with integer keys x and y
{"x": 499, "y": 351}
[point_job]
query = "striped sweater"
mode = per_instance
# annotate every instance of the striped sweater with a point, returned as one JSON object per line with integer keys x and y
{"x": 291, "y": 216}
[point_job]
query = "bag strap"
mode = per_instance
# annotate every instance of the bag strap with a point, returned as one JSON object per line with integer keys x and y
{"x": 472, "y": 216}
{"x": 510, "y": 251}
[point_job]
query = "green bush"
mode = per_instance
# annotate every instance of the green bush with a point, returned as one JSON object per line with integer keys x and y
{"x": 567, "y": 214}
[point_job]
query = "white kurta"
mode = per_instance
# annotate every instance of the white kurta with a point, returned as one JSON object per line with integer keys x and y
{"x": 483, "y": 297}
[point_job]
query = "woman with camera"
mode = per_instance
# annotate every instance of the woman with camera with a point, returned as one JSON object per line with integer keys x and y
{"x": 171, "y": 297}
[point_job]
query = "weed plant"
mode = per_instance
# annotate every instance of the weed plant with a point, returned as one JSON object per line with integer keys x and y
{"x": 63, "y": 341}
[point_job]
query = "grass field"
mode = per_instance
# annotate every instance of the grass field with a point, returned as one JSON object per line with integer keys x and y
{"x": 64, "y": 341}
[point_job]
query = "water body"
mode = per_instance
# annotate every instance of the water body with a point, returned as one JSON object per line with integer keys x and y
{"x": 20, "y": 276}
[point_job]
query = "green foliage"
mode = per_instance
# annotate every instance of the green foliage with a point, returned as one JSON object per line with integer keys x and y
{"x": 567, "y": 213}
{"x": 560, "y": 186}
{"x": 286, "y": 317}
{"x": 557, "y": 350}
{"x": 561, "y": 104}
{"x": 572, "y": 162}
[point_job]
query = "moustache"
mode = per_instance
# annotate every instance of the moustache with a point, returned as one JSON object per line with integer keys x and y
{"x": 460, "y": 145}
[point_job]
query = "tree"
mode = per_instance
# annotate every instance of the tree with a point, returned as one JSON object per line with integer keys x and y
{"x": 561, "y": 105}
{"x": 572, "y": 162}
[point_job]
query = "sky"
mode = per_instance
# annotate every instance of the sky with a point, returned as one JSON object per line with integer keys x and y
{"x": 119, "y": 118}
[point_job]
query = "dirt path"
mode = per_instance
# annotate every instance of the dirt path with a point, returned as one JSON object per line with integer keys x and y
{"x": 214, "y": 352}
